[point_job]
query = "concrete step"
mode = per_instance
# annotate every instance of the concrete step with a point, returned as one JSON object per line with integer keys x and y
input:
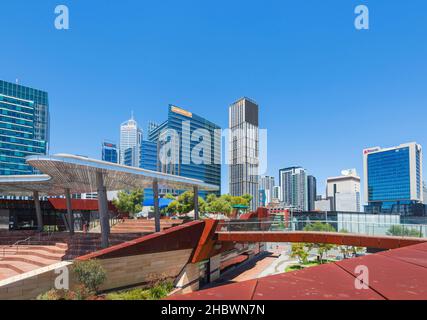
{"x": 18, "y": 266}
{"x": 34, "y": 252}
{"x": 7, "y": 273}
{"x": 29, "y": 259}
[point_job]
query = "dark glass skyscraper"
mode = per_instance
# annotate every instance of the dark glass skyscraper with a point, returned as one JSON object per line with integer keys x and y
{"x": 244, "y": 149}
{"x": 24, "y": 127}
{"x": 110, "y": 152}
{"x": 311, "y": 192}
{"x": 186, "y": 138}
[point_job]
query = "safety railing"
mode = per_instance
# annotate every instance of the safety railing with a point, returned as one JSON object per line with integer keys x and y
{"x": 15, "y": 246}
{"x": 352, "y": 227}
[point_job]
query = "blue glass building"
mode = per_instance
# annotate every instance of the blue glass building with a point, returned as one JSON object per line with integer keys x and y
{"x": 110, "y": 152}
{"x": 148, "y": 160}
{"x": 24, "y": 127}
{"x": 129, "y": 156}
{"x": 393, "y": 179}
{"x": 187, "y": 138}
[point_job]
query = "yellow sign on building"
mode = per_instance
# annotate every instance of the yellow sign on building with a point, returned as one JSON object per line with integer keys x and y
{"x": 182, "y": 112}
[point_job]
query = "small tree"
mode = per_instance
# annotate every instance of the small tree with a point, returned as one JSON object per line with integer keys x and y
{"x": 129, "y": 202}
{"x": 349, "y": 250}
{"x": 184, "y": 203}
{"x": 321, "y": 248}
{"x": 219, "y": 205}
{"x": 90, "y": 274}
{"x": 169, "y": 196}
{"x": 300, "y": 251}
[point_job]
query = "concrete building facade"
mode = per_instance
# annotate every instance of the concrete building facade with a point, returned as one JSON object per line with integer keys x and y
{"x": 244, "y": 149}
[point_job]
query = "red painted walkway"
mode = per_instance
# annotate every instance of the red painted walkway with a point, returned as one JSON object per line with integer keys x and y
{"x": 393, "y": 275}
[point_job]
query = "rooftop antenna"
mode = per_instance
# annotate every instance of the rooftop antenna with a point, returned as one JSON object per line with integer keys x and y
{"x": 132, "y": 115}
{"x": 17, "y": 81}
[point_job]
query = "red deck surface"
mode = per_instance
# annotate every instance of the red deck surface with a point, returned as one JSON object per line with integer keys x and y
{"x": 395, "y": 274}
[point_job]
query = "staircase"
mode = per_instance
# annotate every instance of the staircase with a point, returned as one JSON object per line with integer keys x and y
{"x": 143, "y": 226}
{"x": 23, "y": 251}
{"x": 18, "y": 259}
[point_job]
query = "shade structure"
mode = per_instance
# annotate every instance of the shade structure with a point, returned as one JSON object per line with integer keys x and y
{"x": 25, "y": 184}
{"x": 79, "y": 175}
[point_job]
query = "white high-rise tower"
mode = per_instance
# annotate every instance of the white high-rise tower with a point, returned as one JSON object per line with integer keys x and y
{"x": 130, "y": 143}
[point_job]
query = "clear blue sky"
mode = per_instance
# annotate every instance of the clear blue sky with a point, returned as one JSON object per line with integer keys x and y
{"x": 326, "y": 91}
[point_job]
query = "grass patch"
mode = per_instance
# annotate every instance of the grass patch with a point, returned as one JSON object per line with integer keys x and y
{"x": 156, "y": 292}
{"x": 299, "y": 266}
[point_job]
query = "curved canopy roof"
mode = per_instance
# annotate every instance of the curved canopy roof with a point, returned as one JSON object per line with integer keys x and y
{"x": 79, "y": 174}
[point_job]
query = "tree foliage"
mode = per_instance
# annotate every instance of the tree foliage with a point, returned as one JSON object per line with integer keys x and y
{"x": 129, "y": 202}
{"x": 300, "y": 251}
{"x": 401, "y": 231}
{"x": 90, "y": 274}
{"x": 184, "y": 203}
{"x": 321, "y": 248}
{"x": 347, "y": 251}
{"x": 225, "y": 203}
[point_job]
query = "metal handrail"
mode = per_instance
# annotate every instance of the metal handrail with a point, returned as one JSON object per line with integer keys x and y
{"x": 16, "y": 244}
{"x": 290, "y": 226}
{"x": 313, "y": 221}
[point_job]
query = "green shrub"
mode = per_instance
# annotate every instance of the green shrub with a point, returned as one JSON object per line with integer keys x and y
{"x": 135, "y": 294}
{"x": 158, "y": 291}
{"x": 90, "y": 274}
{"x": 55, "y": 294}
{"x": 401, "y": 230}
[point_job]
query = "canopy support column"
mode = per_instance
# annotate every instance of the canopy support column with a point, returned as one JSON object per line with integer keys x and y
{"x": 39, "y": 214}
{"x": 156, "y": 205}
{"x": 196, "y": 202}
{"x": 103, "y": 210}
{"x": 70, "y": 215}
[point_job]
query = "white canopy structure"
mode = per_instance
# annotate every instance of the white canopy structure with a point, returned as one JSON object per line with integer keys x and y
{"x": 65, "y": 174}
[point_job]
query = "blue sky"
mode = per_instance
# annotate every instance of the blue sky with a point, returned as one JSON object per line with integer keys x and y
{"x": 326, "y": 90}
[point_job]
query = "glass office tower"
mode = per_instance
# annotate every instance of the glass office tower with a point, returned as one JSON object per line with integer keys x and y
{"x": 311, "y": 192}
{"x": 148, "y": 160}
{"x": 294, "y": 187}
{"x": 393, "y": 179}
{"x": 24, "y": 127}
{"x": 110, "y": 152}
{"x": 148, "y": 156}
{"x": 187, "y": 138}
{"x": 244, "y": 149}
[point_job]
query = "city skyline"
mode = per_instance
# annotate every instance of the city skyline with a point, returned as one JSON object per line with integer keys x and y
{"x": 216, "y": 151}
{"x": 347, "y": 81}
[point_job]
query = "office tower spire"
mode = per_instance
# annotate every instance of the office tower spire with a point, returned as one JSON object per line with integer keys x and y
{"x": 130, "y": 142}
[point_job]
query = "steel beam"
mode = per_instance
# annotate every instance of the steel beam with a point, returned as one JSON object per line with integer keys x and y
{"x": 39, "y": 214}
{"x": 103, "y": 210}
{"x": 70, "y": 215}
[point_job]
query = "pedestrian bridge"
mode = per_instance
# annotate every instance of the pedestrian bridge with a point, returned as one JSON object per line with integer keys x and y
{"x": 351, "y": 233}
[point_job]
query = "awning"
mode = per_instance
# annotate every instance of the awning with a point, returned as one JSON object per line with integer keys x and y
{"x": 60, "y": 204}
{"x": 79, "y": 174}
{"x": 163, "y": 202}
